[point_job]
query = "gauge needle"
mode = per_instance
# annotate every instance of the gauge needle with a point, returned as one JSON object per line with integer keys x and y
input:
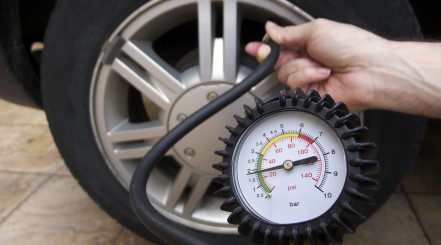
{"x": 288, "y": 164}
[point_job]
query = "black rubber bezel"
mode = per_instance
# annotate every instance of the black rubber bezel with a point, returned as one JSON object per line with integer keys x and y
{"x": 339, "y": 219}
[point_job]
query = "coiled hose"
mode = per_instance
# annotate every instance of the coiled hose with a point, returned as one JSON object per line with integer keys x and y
{"x": 162, "y": 227}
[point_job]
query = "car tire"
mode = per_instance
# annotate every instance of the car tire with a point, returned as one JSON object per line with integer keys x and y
{"x": 78, "y": 32}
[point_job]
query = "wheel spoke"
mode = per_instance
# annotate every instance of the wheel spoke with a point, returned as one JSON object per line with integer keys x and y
{"x": 141, "y": 81}
{"x": 197, "y": 194}
{"x": 126, "y": 131}
{"x": 178, "y": 187}
{"x": 132, "y": 151}
{"x": 231, "y": 32}
{"x": 167, "y": 79}
{"x": 266, "y": 87}
{"x": 206, "y": 31}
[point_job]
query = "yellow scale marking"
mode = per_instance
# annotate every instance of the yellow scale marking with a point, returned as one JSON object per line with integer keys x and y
{"x": 262, "y": 153}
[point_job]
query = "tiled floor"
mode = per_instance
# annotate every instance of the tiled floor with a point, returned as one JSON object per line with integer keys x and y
{"x": 41, "y": 203}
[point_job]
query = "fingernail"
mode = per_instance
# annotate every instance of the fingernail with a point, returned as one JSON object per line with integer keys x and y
{"x": 274, "y": 30}
{"x": 263, "y": 52}
{"x": 271, "y": 25}
{"x": 324, "y": 71}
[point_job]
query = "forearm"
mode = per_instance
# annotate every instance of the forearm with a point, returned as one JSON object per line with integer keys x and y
{"x": 410, "y": 78}
{"x": 366, "y": 71}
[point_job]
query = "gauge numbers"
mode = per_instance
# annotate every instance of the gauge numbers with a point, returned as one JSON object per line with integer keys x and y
{"x": 289, "y": 167}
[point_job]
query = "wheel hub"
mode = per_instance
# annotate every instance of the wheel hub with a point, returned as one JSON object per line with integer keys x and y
{"x": 196, "y": 148}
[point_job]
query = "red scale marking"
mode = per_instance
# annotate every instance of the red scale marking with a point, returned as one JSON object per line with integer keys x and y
{"x": 319, "y": 162}
{"x": 305, "y": 138}
{"x": 310, "y": 141}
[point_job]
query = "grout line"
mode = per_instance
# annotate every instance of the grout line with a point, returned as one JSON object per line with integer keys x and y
{"x": 31, "y": 193}
{"x": 23, "y": 124}
{"x": 412, "y": 207}
{"x": 119, "y": 234}
{"x": 64, "y": 174}
{"x": 56, "y": 172}
{"x": 9, "y": 171}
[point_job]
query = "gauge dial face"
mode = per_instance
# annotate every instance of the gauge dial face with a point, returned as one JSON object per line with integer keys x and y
{"x": 289, "y": 167}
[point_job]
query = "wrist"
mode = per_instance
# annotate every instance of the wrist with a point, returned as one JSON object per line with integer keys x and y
{"x": 408, "y": 78}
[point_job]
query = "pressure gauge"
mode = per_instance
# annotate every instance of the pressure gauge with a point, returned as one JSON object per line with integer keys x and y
{"x": 294, "y": 167}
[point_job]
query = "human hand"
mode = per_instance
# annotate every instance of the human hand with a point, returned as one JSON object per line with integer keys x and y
{"x": 332, "y": 58}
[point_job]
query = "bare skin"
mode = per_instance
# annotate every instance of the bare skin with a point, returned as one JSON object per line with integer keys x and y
{"x": 357, "y": 67}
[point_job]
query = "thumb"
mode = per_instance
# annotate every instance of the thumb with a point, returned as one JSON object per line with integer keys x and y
{"x": 291, "y": 36}
{"x": 275, "y": 31}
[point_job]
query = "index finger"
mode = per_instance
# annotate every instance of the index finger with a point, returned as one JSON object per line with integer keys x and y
{"x": 292, "y": 36}
{"x": 261, "y": 51}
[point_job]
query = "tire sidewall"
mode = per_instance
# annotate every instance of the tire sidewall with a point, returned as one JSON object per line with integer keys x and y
{"x": 76, "y": 34}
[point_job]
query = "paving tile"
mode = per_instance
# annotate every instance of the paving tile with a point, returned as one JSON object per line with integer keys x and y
{"x": 427, "y": 208}
{"x": 130, "y": 238}
{"x": 16, "y": 187}
{"x": 394, "y": 223}
{"x": 15, "y": 114}
{"x": 424, "y": 176}
{"x": 59, "y": 212}
{"x": 28, "y": 148}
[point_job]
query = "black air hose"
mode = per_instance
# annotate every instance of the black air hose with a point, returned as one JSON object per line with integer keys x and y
{"x": 162, "y": 227}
